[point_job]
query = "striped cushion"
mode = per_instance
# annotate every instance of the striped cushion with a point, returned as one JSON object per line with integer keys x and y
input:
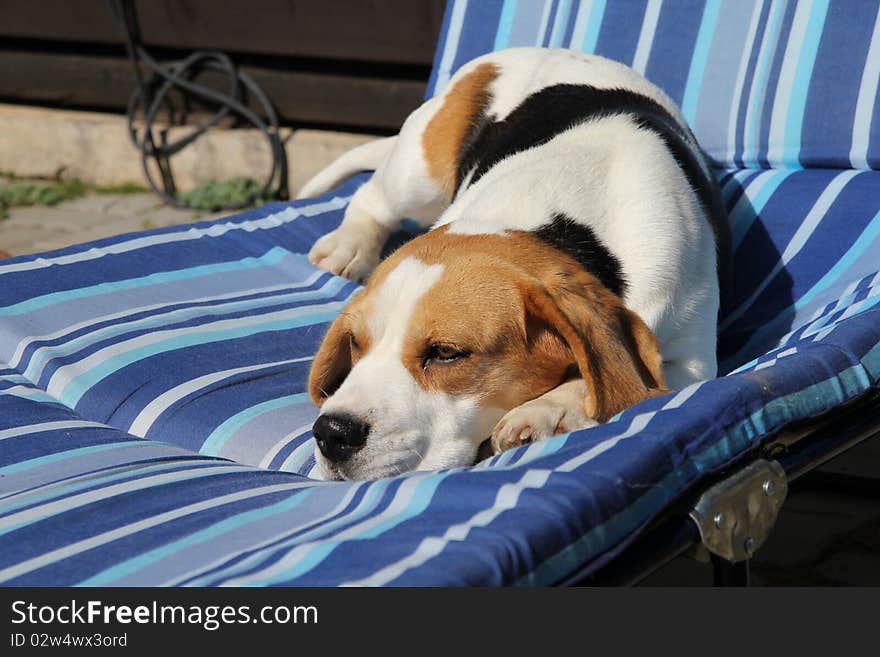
{"x": 764, "y": 83}
{"x": 805, "y": 253}
{"x": 200, "y": 336}
{"x": 154, "y": 427}
{"x": 163, "y": 350}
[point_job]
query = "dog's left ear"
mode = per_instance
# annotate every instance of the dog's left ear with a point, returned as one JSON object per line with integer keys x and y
{"x": 333, "y": 361}
{"x": 617, "y": 354}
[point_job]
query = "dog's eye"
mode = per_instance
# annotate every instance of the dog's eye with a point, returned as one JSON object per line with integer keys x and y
{"x": 354, "y": 343}
{"x": 442, "y": 353}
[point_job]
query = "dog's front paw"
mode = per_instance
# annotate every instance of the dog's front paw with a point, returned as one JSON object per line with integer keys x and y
{"x": 347, "y": 252}
{"x": 538, "y": 419}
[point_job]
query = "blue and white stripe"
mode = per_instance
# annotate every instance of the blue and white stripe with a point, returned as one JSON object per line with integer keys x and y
{"x": 154, "y": 421}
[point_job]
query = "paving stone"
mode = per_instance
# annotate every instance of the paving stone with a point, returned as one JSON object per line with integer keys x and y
{"x": 20, "y": 240}
{"x": 95, "y": 203}
{"x": 126, "y": 205}
{"x": 36, "y": 229}
{"x": 56, "y": 218}
{"x": 95, "y": 147}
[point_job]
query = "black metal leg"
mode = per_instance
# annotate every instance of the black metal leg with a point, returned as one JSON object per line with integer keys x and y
{"x": 727, "y": 573}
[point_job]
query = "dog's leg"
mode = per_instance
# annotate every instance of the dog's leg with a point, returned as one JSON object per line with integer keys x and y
{"x": 696, "y": 364}
{"x": 558, "y": 411}
{"x": 353, "y": 249}
{"x": 689, "y": 354}
{"x": 401, "y": 188}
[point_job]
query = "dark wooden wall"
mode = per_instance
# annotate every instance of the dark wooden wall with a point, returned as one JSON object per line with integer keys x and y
{"x": 336, "y": 63}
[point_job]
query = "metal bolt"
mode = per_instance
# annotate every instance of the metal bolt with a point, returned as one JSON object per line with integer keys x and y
{"x": 719, "y": 520}
{"x": 749, "y": 545}
{"x": 768, "y": 487}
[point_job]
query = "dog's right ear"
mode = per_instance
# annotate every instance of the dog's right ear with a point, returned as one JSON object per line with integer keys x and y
{"x": 616, "y": 353}
{"x": 333, "y": 361}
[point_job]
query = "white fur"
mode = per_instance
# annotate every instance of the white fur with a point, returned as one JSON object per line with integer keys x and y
{"x": 362, "y": 158}
{"x": 410, "y": 428}
{"x": 556, "y": 411}
{"x": 608, "y": 173}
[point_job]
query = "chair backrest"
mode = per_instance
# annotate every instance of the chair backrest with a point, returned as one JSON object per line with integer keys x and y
{"x": 763, "y": 83}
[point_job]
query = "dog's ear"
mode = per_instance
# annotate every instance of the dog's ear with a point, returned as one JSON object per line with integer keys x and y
{"x": 617, "y": 354}
{"x": 333, "y": 361}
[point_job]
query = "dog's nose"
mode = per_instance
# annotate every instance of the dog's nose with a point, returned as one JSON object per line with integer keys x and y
{"x": 339, "y": 436}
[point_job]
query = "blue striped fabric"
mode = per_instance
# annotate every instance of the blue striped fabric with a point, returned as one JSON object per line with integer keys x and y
{"x": 154, "y": 426}
{"x": 764, "y": 83}
{"x": 113, "y": 476}
{"x": 164, "y": 335}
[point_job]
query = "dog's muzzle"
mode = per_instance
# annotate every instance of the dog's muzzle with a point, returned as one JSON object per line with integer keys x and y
{"x": 340, "y": 436}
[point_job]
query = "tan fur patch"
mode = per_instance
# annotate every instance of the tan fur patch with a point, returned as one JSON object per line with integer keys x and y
{"x": 527, "y": 314}
{"x": 510, "y": 358}
{"x": 530, "y": 317}
{"x": 446, "y": 133}
{"x": 345, "y": 343}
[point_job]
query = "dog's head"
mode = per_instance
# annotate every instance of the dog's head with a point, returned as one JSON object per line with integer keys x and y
{"x": 450, "y": 333}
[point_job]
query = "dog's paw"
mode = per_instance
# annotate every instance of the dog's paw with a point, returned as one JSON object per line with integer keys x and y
{"x": 535, "y": 420}
{"x": 346, "y": 252}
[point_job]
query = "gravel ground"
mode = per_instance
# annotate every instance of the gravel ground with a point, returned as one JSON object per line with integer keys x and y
{"x": 38, "y": 228}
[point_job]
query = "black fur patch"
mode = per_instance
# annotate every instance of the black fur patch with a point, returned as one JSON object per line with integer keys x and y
{"x": 581, "y": 243}
{"x": 554, "y": 109}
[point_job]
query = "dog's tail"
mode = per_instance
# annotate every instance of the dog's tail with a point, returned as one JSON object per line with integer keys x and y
{"x": 365, "y": 157}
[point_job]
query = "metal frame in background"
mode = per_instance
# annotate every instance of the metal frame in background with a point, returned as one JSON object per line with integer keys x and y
{"x": 799, "y": 450}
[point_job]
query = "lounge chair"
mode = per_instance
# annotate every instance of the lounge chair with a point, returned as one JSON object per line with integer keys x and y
{"x": 154, "y": 421}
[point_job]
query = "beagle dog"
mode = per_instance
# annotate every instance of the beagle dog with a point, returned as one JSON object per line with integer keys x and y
{"x": 572, "y": 267}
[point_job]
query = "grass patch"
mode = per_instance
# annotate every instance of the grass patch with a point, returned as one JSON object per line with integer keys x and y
{"x": 41, "y": 193}
{"x": 214, "y": 194}
{"x": 21, "y": 193}
{"x": 122, "y": 188}
{"x": 209, "y": 196}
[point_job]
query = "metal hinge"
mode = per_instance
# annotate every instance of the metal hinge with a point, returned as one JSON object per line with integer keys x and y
{"x": 735, "y": 515}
